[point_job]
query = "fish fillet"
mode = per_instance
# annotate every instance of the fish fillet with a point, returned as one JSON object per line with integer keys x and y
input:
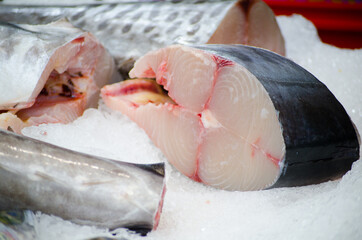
{"x": 244, "y": 118}
{"x": 49, "y": 73}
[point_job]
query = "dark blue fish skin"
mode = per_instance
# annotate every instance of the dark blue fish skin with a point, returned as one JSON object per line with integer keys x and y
{"x": 321, "y": 140}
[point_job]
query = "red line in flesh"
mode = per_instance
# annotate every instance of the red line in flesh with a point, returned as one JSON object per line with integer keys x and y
{"x": 255, "y": 146}
{"x": 196, "y": 176}
{"x": 220, "y": 63}
{"x": 160, "y": 79}
{"x": 149, "y": 73}
{"x": 132, "y": 104}
{"x": 78, "y": 40}
{"x": 136, "y": 87}
{"x": 132, "y": 87}
{"x": 159, "y": 210}
{"x": 274, "y": 160}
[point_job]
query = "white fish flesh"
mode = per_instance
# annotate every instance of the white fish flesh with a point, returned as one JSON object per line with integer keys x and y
{"x": 49, "y": 73}
{"x": 244, "y": 118}
{"x": 81, "y": 188}
{"x": 130, "y": 29}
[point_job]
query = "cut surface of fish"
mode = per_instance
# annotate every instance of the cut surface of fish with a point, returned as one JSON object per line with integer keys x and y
{"x": 131, "y": 29}
{"x": 244, "y": 118}
{"x": 81, "y": 188}
{"x": 51, "y": 73}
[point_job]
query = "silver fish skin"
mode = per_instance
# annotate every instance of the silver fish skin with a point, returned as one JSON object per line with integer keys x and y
{"x": 81, "y": 188}
{"x": 130, "y": 29}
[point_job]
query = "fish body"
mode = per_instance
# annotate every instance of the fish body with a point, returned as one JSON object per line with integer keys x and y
{"x": 81, "y": 188}
{"x": 130, "y": 29}
{"x": 244, "y": 118}
{"x": 50, "y": 73}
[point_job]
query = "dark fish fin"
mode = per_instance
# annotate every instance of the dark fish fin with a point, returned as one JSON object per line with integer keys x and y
{"x": 158, "y": 168}
{"x": 141, "y": 230}
{"x": 125, "y": 67}
{"x": 16, "y": 26}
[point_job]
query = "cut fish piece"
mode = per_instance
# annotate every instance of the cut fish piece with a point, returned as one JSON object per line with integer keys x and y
{"x": 184, "y": 123}
{"x": 50, "y": 73}
{"x": 250, "y": 119}
{"x": 252, "y": 23}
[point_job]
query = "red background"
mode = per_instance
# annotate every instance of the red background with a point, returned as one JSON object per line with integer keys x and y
{"x": 339, "y": 22}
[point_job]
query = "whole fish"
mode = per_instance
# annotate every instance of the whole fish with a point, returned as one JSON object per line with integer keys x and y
{"x": 49, "y": 73}
{"x": 130, "y": 29}
{"x": 81, "y": 188}
{"x": 238, "y": 117}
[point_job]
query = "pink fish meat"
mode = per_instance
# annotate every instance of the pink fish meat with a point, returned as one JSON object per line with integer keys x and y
{"x": 49, "y": 73}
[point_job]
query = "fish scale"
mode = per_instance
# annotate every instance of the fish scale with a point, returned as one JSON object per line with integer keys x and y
{"x": 129, "y": 29}
{"x": 127, "y": 22}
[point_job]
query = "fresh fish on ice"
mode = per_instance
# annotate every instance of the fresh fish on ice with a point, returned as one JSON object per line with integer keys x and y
{"x": 49, "y": 73}
{"x": 81, "y": 188}
{"x": 244, "y": 118}
{"x": 130, "y": 29}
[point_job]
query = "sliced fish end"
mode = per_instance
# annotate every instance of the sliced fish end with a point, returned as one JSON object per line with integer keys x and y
{"x": 218, "y": 130}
